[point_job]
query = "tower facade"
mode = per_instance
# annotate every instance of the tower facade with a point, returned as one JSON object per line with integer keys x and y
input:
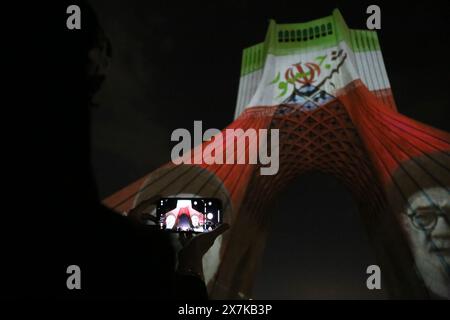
{"x": 324, "y": 87}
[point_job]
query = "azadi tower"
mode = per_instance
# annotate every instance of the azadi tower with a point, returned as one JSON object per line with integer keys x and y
{"x": 325, "y": 87}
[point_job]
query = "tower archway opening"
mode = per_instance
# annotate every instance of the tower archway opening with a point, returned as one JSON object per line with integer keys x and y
{"x": 317, "y": 247}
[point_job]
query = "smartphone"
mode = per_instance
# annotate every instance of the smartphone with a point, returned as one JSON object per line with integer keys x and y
{"x": 189, "y": 214}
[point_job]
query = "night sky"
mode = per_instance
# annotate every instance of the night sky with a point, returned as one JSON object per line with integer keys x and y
{"x": 173, "y": 64}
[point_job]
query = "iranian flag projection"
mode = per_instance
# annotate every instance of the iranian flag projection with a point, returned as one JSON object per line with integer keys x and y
{"x": 325, "y": 87}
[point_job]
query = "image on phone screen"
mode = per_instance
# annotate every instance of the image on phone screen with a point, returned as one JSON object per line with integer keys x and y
{"x": 189, "y": 214}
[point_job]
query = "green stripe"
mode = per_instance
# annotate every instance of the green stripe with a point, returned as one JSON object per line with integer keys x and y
{"x": 319, "y": 34}
{"x": 253, "y": 59}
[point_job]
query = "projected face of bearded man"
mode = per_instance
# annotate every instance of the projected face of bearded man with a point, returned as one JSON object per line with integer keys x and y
{"x": 427, "y": 223}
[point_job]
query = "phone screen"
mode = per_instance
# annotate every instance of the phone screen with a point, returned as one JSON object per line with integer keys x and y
{"x": 189, "y": 214}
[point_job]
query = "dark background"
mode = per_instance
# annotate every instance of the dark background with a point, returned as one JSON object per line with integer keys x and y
{"x": 163, "y": 54}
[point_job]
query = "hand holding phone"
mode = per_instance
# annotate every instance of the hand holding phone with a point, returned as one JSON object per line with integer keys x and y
{"x": 186, "y": 216}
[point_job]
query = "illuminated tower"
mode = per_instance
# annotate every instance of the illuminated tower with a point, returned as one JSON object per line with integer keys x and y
{"x": 325, "y": 88}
